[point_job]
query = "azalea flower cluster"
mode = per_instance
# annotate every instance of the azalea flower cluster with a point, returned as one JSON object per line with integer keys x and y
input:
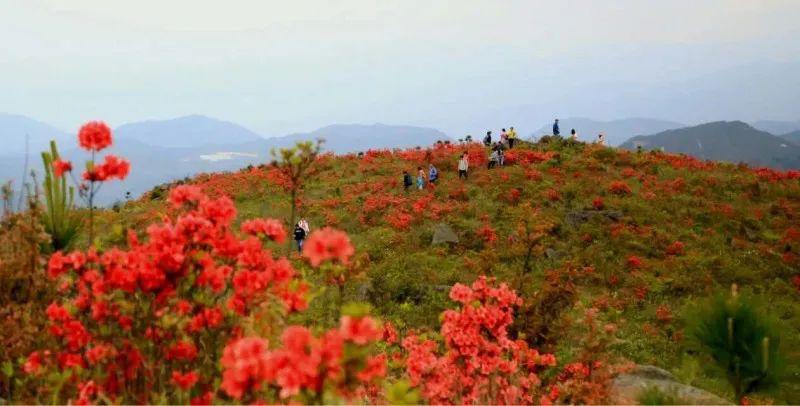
{"x": 95, "y": 136}
{"x": 134, "y": 321}
{"x": 306, "y": 368}
{"x": 480, "y": 363}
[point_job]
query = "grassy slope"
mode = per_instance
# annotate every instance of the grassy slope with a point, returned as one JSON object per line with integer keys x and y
{"x": 731, "y": 221}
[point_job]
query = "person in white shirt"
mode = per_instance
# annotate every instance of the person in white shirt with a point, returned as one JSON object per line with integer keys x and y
{"x": 463, "y": 166}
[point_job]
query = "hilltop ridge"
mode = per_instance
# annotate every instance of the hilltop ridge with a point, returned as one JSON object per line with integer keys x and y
{"x": 639, "y": 237}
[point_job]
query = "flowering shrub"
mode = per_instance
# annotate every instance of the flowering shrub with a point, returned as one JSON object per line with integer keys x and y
{"x": 480, "y": 363}
{"x": 676, "y": 248}
{"x": 487, "y": 233}
{"x": 305, "y": 368}
{"x": 619, "y": 188}
{"x": 93, "y": 136}
{"x": 133, "y": 322}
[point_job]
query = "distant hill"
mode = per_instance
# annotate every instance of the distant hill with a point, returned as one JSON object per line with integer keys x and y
{"x": 616, "y": 131}
{"x": 14, "y": 128}
{"x": 793, "y": 137}
{"x": 732, "y": 141}
{"x": 162, "y": 151}
{"x": 776, "y": 127}
{"x": 186, "y": 132}
{"x": 343, "y": 138}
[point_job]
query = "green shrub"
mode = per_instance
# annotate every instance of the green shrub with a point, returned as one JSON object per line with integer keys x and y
{"x": 655, "y": 396}
{"x": 59, "y": 218}
{"x": 741, "y": 339}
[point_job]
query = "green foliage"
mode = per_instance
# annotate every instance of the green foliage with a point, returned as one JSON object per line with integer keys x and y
{"x": 60, "y": 218}
{"x": 741, "y": 339}
{"x": 655, "y": 396}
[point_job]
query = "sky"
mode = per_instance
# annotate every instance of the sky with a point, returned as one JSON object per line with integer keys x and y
{"x": 288, "y": 66}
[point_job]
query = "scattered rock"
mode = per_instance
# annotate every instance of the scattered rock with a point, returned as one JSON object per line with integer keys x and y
{"x": 626, "y": 388}
{"x": 443, "y": 233}
{"x": 552, "y": 254}
{"x": 576, "y": 218}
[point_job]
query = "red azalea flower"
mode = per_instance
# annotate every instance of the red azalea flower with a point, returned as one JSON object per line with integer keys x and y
{"x": 270, "y": 228}
{"x": 94, "y": 136}
{"x": 33, "y": 364}
{"x": 246, "y": 365}
{"x": 375, "y": 368}
{"x": 328, "y": 244}
{"x": 360, "y": 330}
{"x": 59, "y": 167}
{"x": 182, "y": 350}
{"x": 186, "y": 380}
{"x": 185, "y": 194}
{"x": 676, "y": 248}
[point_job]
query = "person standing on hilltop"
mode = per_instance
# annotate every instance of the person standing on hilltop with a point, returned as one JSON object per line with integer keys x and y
{"x": 420, "y": 178}
{"x": 503, "y": 137}
{"x": 300, "y": 234}
{"x": 433, "y": 173}
{"x": 512, "y": 137}
{"x": 487, "y": 140}
{"x": 556, "y": 131}
{"x": 601, "y": 139}
{"x": 573, "y": 135}
{"x": 463, "y": 166}
{"x": 406, "y": 181}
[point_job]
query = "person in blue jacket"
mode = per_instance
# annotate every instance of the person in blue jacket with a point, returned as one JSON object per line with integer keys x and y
{"x": 556, "y": 131}
{"x": 433, "y": 174}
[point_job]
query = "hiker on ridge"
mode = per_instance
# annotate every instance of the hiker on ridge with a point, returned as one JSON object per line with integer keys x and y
{"x": 503, "y": 137}
{"x": 407, "y": 182}
{"x": 463, "y": 166}
{"x": 433, "y": 174}
{"x": 556, "y": 131}
{"x": 512, "y": 137}
{"x": 573, "y": 135}
{"x": 420, "y": 178}
{"x": 487, "y": 140}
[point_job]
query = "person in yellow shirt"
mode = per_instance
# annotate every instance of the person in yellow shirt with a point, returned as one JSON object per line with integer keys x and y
{"x": 512, "y": 137}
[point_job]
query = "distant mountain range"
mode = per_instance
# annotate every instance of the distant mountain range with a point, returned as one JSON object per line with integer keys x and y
{"x": 164, "y": 150}
{"x": 15, "y": 129}
{"x": 616, "y": 131}
{"x": 776, "y": 127}
{"x": 793, "y": 137}
{"x": 732, "y": 141}
{"x": 186, "y": 132}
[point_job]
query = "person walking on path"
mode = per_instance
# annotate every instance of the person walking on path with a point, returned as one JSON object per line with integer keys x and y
{"x": 512, "y": 137}
{"x": 420, "y": 178}
{"x": 501, "y": 156}
{"x": 556, "y": 131}
{"x": 407, "y": 182}
{"x": 487, "y": 140}
{"x": 433, "y": 173}
{"x": 463, "y": 166}
{"x": 300, "y": 234}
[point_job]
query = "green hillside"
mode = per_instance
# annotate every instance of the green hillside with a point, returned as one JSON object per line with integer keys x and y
{"x": 640, "y": 237}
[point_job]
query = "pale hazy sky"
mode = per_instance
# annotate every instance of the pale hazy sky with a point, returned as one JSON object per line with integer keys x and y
{"x": 284, "y": 66}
